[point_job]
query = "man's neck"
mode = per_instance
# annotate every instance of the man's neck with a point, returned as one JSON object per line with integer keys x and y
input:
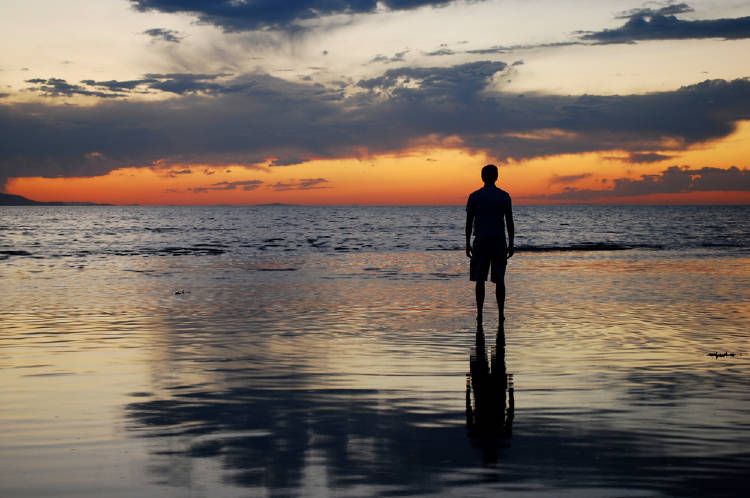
{"x": 489, "y": 184}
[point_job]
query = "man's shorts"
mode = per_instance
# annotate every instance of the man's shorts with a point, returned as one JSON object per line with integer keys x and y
{"x": 486, "y": 255}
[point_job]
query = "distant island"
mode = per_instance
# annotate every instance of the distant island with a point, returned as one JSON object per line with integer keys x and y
{"x": 17, "y": 200}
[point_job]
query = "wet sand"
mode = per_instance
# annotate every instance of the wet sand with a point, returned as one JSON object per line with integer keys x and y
{"x": 345, "y": 375}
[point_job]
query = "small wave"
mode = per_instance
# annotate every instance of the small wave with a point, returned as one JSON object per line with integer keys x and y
{"x": 7, "y": 254}
{"x": 182, "y": 251}
{"x": 584, "y": 246}
{"x": 206, "y": 244}
{"x": 52, "y": 374}
{"x": 588, "y": 246}
{"x": 728, "y": 245}
{"x": 167, "y": 251}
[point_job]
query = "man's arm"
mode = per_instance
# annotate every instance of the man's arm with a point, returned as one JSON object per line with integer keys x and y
{"x": 511, "y": 229}
{"x": 469, "y": 227}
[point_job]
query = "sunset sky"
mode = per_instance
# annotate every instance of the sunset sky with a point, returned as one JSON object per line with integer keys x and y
{"x": 364, "y": 102}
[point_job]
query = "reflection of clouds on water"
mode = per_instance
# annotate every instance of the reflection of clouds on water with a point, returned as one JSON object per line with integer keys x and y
{"x": 288, "y": 380}
{"x": 268, "y": 432}
{"x": 264, "y": 438}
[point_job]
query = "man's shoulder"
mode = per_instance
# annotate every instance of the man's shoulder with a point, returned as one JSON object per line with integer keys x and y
{"x": 489, "y": 193}
{"x": 498, "y": 192}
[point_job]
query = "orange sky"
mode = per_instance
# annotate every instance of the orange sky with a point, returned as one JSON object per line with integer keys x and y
{"x": 96, "y": 85}
{"x": 421, "y": 176}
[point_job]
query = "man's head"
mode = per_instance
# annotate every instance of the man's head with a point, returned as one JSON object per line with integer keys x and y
{"x": 489, "y": 173}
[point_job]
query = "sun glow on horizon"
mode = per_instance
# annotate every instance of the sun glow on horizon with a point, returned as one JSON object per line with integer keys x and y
{"x": 418, "y": 176}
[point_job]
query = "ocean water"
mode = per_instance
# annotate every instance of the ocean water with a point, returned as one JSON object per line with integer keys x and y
{"x": 332, "y": 351}
{"x": 93, "y": 232}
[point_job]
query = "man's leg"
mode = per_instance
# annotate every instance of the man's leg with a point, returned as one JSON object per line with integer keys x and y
{"x": 480, "y": 301}
{"x": 498, "y": 277}
{"x": 500, "y": 295}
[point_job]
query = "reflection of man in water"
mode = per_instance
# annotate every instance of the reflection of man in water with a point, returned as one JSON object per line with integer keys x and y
{"x": 487, "y": 418}
{"x": 488, "y": 213}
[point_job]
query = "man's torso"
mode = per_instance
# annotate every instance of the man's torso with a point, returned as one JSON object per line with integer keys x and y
{"x": 489, "y": 205}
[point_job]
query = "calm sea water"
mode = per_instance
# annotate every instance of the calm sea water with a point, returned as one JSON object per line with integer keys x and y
{"x": 324, "y": 351}
{"x": 92, "y": 232}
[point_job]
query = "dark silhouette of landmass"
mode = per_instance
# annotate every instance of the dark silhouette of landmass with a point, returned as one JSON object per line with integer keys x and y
{"x": 17, "y": 200}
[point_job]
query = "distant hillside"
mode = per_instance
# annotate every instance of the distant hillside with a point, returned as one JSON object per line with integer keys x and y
{"x": 17, "y": 200}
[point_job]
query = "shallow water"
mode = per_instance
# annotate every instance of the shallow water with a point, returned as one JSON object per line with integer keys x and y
{"x": 344, "y": 374}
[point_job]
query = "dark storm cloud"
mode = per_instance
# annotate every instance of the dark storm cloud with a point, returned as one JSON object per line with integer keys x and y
{"x": 497, "y": 49}
{"x": 667, "y": 10}
{"x": 397, "y": 57}
{"x": 57, "y": 87}
{"x": 233, "y": 15}
{"x": 288, "y": 161}
{"x": 187, "y": 83}
{"x": 167, "y": 35}
{"x": 175, "y": 173}
{"x": 662, "y": 24}
{"x": 379, "y": 58}
{"x": 304, "y": 184}
{"x": 254, "y": 118}
{"x": 435, "y": 82}
{"x": 673, "y": 180}
{"x": 439, "y": 52}
{"x": 119, "y": 86}
{"x": 503, "y": 49}
{"x": 178, "y": 83}
{"x": 563, "y": 179}
{"x": 647, "y": 157}
{"x": 245, "y": 184}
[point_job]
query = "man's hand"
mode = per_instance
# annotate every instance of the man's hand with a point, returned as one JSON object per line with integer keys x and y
{"x": 511, "y": 251}
{"x": 469, "y": 229}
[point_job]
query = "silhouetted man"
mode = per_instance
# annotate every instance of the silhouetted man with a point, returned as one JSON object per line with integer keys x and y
{"x": 488, "y": 214}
